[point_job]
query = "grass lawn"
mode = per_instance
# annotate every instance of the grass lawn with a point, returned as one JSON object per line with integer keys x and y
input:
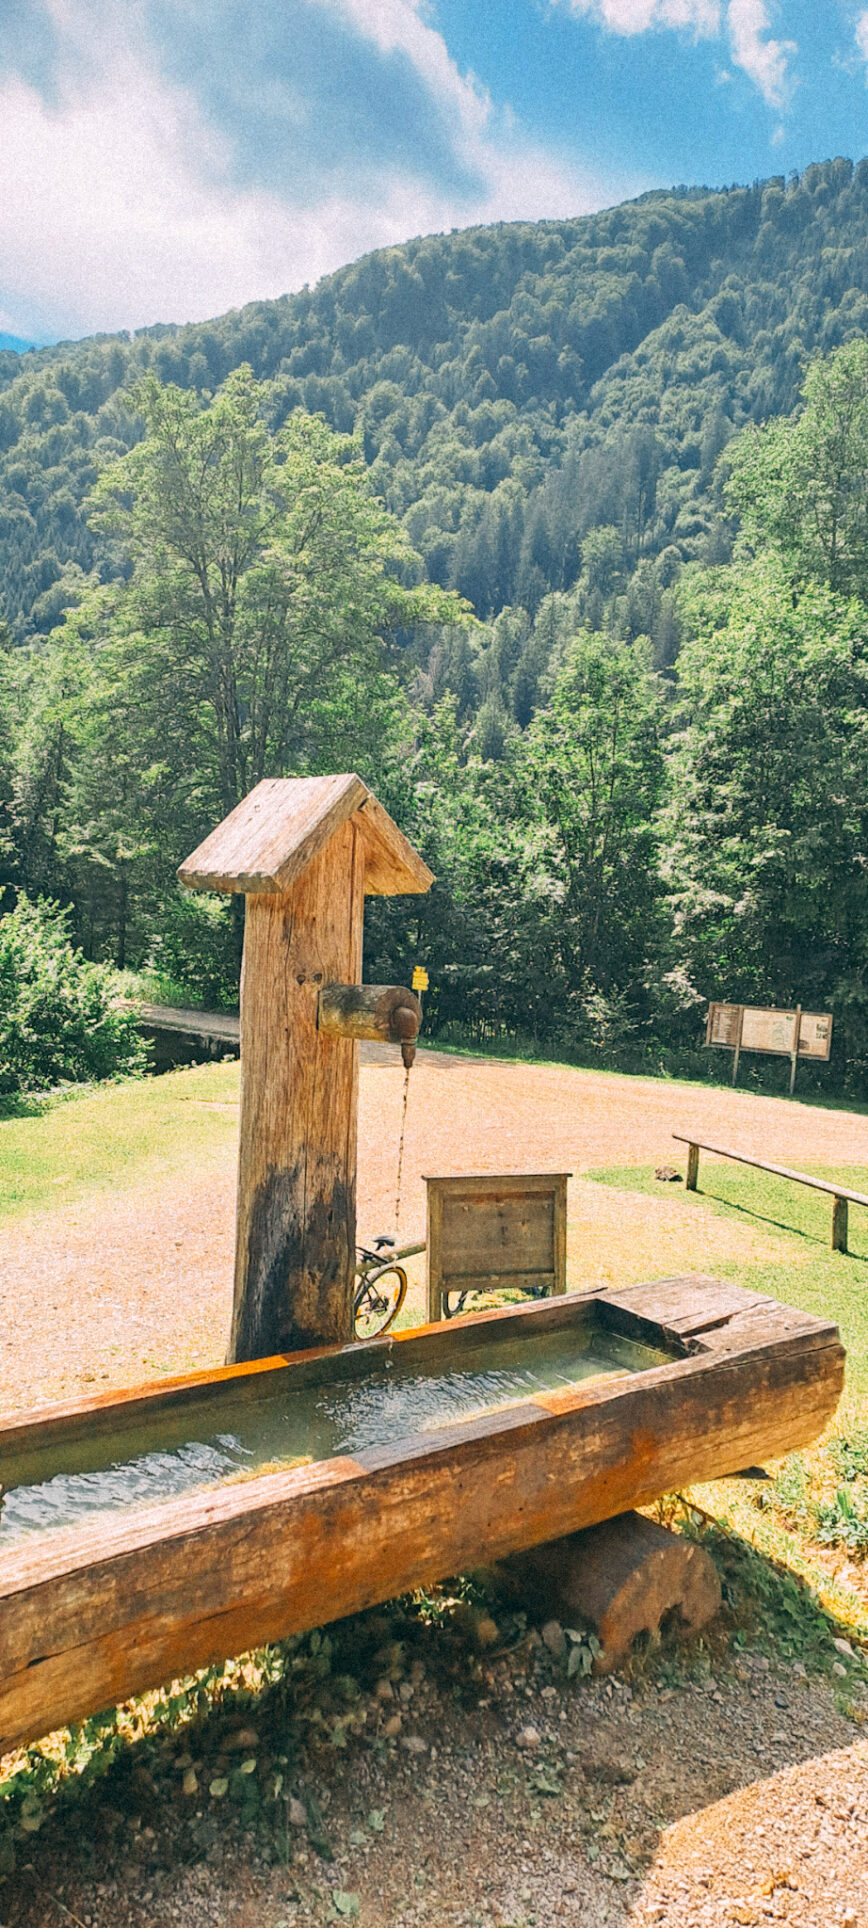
{"x": 58, "y": 1149}
{"x": 804, "y": 1271}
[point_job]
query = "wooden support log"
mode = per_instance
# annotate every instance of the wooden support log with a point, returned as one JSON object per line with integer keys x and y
{"x": 296, "y": 1229}
{"x": 692, "y": 1167}
{"x": 387, "y": 1012}
{"x": 839, "y": 1224}
{"x": 629, "y": 1577}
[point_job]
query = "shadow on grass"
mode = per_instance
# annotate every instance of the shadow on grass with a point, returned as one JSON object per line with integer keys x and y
{"x": 780, "y": 1224}
{"x": 25, "y": 1104}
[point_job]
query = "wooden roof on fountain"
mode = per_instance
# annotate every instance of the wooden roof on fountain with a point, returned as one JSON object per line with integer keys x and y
{"x": 269, "y": 839}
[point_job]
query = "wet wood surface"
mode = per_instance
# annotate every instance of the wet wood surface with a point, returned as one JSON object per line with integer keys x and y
{"x": 91, "y": 1615}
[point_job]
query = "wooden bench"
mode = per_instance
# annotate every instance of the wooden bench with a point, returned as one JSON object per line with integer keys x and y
{"x": 840, "y": 1195}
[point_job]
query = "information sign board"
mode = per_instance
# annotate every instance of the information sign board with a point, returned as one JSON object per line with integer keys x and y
{"x": 815, "y": 1035}
{"x": 722, "y": 1025}
{"x": 752, "y": 1028}
{"x": 769, "y": 1030}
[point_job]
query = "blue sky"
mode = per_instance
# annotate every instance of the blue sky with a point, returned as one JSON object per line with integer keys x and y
{"x": 164, "y": 160}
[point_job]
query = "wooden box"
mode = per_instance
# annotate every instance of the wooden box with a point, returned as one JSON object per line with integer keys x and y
{"x": 501, "y": 1230}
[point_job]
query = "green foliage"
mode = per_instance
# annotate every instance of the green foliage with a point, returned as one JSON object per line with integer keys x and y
{"x": 843, "y": 1521}
{"x": 641, "y": 780}
{"x": 58, "y": 1019}
{"x": 513, "y": 389}
{"x": 802, "y": 485}
{"x": 194, "y": 947}
{"x": 767, "y": 818}
{"x": 588, "y": 775}
{"x": 250, "y": 631}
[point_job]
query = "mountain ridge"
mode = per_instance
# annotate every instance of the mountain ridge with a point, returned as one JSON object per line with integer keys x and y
{"x": 514, "y": 388}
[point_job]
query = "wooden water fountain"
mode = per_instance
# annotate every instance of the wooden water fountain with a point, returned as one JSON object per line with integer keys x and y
{"x": 148, "y": 1533}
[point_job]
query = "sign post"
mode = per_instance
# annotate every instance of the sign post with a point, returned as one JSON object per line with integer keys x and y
{"x": 792, "y": 1034}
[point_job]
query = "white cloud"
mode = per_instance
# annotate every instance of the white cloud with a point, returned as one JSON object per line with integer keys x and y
{"x": 636, "y": 16}
{"x": 518, "y": 178}
{"x": 766, "y": 62}
{"x": 119, "y": 206}
{"x": 862, "y": 34}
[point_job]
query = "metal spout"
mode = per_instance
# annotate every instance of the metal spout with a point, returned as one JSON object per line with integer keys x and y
{"x": 405, "y": 1029}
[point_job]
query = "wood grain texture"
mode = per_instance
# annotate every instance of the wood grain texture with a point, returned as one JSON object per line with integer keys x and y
{"x": 268, "y": 840}
{"x": 495, "y": 1231}
{"x": 296, "y": 1220}
{"x": 273, "y": 834}
{"x": 393, "y": 868}
{"x": 88, "y": 1617}
{"x": 625, "y": 1576}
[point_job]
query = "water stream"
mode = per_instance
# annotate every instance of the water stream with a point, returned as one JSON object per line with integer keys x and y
{"x": 226, "y": 1438}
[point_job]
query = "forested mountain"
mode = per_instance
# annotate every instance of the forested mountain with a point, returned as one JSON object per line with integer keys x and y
{"x": 515, "y": 388}
{"x": 558, "y": 534}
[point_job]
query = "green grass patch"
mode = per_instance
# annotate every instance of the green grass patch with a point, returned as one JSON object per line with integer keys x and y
{"x": 61, "y": 1148}
{"x": 803, "y": 1270}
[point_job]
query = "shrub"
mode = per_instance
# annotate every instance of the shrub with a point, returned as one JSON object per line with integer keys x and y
{"x": 196, "y": 948}
{"x": 59, "y": 1022}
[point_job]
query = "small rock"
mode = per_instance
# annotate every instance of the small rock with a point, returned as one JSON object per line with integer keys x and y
{"x": 242, "y": 1740}
{"x": 839, "y": 1670}
{"x": 392, "y": 1727}
{"x": 384, "y": 1689}
{"x": 218, "y": 1788}
{"x": 555, "y": 1638}
{"x": 844, "y": 1647}
{"x": 406, "y": 1690}
{"x": 249, "y": 1766}
{"x": 414, "y": 1744}
{"x": 486, "y": 1631}
{"x": 297, "y": 1813}
{"x": 190, "y": 1783}
{"x": 528, "y": 1738}
{"x": 799, "y": 1669}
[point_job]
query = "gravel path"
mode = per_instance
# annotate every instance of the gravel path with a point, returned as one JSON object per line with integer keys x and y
{"x": 477, "y": 1793}
{"x": 138, "y": 1281}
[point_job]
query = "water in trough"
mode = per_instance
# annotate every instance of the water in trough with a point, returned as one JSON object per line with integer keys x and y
{"x": 223, "y": 1437}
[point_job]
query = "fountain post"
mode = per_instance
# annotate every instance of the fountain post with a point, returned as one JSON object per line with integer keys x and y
{"x": 305, "y": 851}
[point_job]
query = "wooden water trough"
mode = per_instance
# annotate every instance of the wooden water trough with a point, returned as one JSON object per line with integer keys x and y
{"x": 430, "y": 1451}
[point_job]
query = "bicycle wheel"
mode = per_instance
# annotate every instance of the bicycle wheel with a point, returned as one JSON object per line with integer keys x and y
{"x": 454, "y": 1304}
{"x": 379, "y": 1298}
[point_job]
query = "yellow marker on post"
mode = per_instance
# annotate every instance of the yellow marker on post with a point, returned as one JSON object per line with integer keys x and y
{"x": 419, "y": 979}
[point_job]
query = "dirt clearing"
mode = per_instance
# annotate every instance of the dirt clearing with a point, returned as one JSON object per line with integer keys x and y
{"x": 121, "y": 1283}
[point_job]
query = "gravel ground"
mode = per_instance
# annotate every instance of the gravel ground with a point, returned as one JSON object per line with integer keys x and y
{"x": 138, "y": 1281}
{"x": 485, "y": 1792}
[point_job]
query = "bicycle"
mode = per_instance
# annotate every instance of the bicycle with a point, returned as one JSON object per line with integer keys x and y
{"x": 381, "y": 1288}
{"x": 455, "y": 1302}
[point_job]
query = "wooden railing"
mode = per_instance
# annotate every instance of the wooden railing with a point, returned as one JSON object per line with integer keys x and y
{"x": 841, "y": 1195}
